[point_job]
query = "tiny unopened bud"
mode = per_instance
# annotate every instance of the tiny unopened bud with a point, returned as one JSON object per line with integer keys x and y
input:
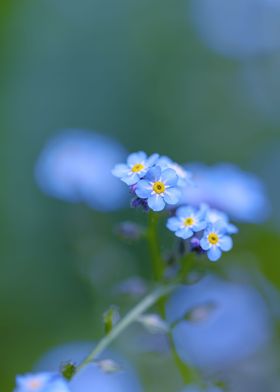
{"x": 110, "y": 318}
{"x": 136, "y": 202}
{"x": 129, "y": 231}
{"x": 153, "y": 323}
{"x": 195, "y": 246}
{"x": 108, "y": 366}
{"x": 68, "y": 370}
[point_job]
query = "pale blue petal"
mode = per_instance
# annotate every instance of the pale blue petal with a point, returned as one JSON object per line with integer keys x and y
{"x": 136, "y": 157}
{"x": 225, "y": 243}
{"x": 204, "y": 243}
{"x": 173, "y": 224}
{"x": 143, "y": 189}
{"x": 199, "y": 226}
{"x": 184, "y": 233}
{"x": 169, "y": 177}
{"x": 156, "y": 203}
{"x": 184, "y": 211}
{"x": 214, "y": 253}
{"x": 232, "y": 229}
{"x": 152, "y": 160}
{"x": 120, "y": 170}
{"x": 172, "y": 195}
{"x": 153, "y": 174}
{"x": 131, "y": 178}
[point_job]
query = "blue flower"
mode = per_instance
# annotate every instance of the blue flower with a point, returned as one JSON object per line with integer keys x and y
{"x": 215, "y": 241}
{"x": 188, "y": 220}
{"x": 76, "y": 165}
{"x": 159, "y": 187}
{"x": 184, "y": 176}
{"x": 213, "y": 216}
{"x": 197, "y": 388}
{"x": 136, "y": 167}
{"x": 214, "y": 322}
{"x": 41, "y": 382}
{"x": 225, "y": 187}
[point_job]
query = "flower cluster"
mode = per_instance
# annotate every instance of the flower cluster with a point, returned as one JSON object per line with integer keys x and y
{"x": 154, "y": 181}
{"x": 208, "y": 229}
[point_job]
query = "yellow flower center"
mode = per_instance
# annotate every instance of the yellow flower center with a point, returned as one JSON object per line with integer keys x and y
{"x": 34, "y": 384}
{"x": 189, "y": 221}
{"x": 213, "y": 238}
{"x": 137, "y": 168}
{"x": 159, "y": 187}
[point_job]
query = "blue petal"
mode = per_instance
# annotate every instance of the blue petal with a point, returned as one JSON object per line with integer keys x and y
{"x": 153, "y": 174}
{"x": 120, "y": 170}
{"x": 156, "y": 203}
{"x": 184, "y": 233}
{"x": 225, "y": 243}
{"x": 199, "y": 226}
{"x": 131, "y": 178}
{"x": 172, "y": 195}
{"x": 185, "y": 211}
{"x": 214, "y": 253}
{"x": 204, "y": 243}
{"x": 152, "y": 160}
{"x": 136, "y": 157}
{"x": 232, "y": 229}
{"x": 169, "y": 177}
{"x": 173, "y": 224}
{"x": 143, "y": 189}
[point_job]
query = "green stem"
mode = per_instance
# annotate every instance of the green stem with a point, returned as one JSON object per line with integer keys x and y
{"x": 131, "y": 316}
{"x": 154, "y": 246}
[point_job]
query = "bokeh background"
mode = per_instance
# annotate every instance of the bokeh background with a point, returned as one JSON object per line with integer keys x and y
{"x": 155, "y": 76}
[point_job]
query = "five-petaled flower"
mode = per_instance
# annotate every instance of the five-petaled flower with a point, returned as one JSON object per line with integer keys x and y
{"x": 138, "y": 163}
{"x": 188, "y": 220}
{"x": 159, "y": 187}
{"x": 215, "y": 241}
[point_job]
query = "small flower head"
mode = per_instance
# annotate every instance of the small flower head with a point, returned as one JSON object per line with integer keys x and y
{"x": 41, "y": 382}
{"x": 188, "y": 220}
{"x": 215, "y": 241}
{"x": 159, "y": 187}
{"x": 137, "y": 165}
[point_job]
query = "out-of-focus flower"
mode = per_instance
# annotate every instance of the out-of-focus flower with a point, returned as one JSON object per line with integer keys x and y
{"x": 217, "y": 323}
{"x": 196, "y": 388}
{"x": 159, "y": 187}
{"x": 92, "y": 377}
{"x": 76, "y": 165}
{"x": 238, "y": 28}
{"x": 138, "y": 163}
{"x": 227, "y": 188}
{"x": 213, "y": 216}
{"x": 41, "y": 382}
{"x": 215, "y": 241}
{"x": 188, "y": 220}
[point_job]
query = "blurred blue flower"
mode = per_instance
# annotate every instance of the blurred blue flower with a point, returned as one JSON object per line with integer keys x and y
{"x": 217, "y": 323}
{"x": 215, "y": 241}
{"x": 184, "y": 176}
{"x": 225, "y": 187}
{"x": 75, "y": 166}
{"x": 213, "y": 216}
{"x": 238, "y": 28}
{"x": 196, "y": 388}
{"x": 92, "y": 377}
{"x": 159, "y": 187}
{"x": 41, "y": 382}
{"x": 188, "y": 220}
{"x": 136, "y": 167}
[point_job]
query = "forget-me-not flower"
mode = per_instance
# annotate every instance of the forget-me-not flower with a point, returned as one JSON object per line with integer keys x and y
{"x": 188, "y": 220}
{"x": 41, "y": 382}
{"x": 137, "y": 165}
{"x": 217, "y": 323}
{"x": 215, "y": 241}
{"x": 159, "y": 187}
{"x": 75, "y": 166}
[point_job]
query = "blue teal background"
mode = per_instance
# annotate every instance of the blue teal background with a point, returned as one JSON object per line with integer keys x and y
{"x": 134, "y": 70}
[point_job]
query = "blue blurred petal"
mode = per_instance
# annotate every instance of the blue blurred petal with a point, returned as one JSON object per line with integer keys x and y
{"x": 156, "y": 203}
{"x": 153, "y": 174}
{"x": 136, "y": 157}
{"x": 120, "y": 170}
{"x": 184, "y": 233}
{"x": 169, "y": 177}
{"x": 225, "y": 243}
{"x": 173, "y": 224}
{"x": 152, "y": 160}
{"x": 214, "y": 253}
{"x": 172, "y": 196}
{"x": 131, "y": 179}
{"x": 204, "y": 243}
